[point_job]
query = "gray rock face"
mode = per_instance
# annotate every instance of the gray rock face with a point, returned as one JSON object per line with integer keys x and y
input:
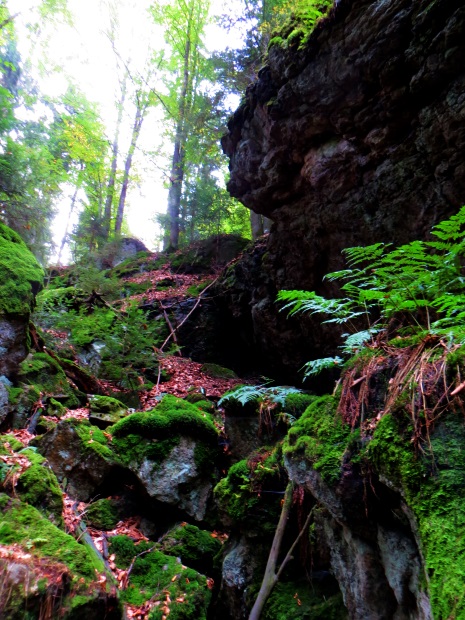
{"x": 373, "y": 556}
{"x": 239, "y": 565}
{"x": 13, "y": 344}
{"x": 356, "y": 138}
{"x": 176, "y": 480}
{"x": 4, "y": 409}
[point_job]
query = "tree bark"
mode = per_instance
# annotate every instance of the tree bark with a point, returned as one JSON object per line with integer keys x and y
{"x": 177, "y": 165}
{"x": 140, "y": 111}
{"x": 114, "y": 165}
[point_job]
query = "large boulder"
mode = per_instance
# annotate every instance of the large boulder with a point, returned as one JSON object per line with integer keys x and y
{"x": 79, "y": 455}
{"x": 172, "y": 450}
{"x": 354, "y": 137}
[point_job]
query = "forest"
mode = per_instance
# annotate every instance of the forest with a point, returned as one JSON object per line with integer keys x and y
{"x": 232, "y": 325}
{"x": 169, "y": 101}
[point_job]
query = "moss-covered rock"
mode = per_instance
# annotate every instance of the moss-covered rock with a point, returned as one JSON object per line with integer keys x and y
{"x": 249, "y": 497}
{"x": 320, "y": 437}
{"x": 106, "y": 411}
{"x": 21, "y": 276}
{"x": 179, "y": 592}
{"x": 38, "y": 487}
{"x": 432, "y": 483}
{"x": 102, "y": 514}
{"x": 196, "y": 548}
{"x": 24, "y": 402}
{"x": 218, "y": 372}
{"x": 79, "y": 455}
{"x": 46, "y": 374}
{"x": 300, "y": 601}
{"x": 42, "y": 568}
{"x": 172, "y": 450}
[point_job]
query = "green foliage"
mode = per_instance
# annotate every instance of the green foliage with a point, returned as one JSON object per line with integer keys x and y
{"x": 258, "y": 393}
{"x": 419, "y": 284}
{"x": 126, "y": 340}
{"x": 292, "y": 22}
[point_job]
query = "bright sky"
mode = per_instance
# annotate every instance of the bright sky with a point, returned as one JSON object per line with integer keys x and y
{"x": 86, "y": 55}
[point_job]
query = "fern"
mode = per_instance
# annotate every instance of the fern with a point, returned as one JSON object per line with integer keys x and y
{"x": 316, "y": 366}
{"x": 421, "y": 283}
{"x": 259, "y": 393}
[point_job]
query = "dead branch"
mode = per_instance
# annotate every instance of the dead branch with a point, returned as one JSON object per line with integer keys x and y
{"x": 199, "y": 298}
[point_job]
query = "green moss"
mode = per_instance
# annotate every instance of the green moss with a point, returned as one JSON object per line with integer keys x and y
{"x": 38, "y": 486}
{"x": 92, "y": 438}
{"x": 13, "y": 394}
{"x": 102, "y": 514}
{"x": 432, "y": 483}
{"x": 218, "y": 372}
{"x": 133, "y": 449}
{"x": 196, "y": 548}
{"x": 196, "y": 289}
{"x": 107, "y": 404}
{"x": 251, "y": 493}
{"x": 155, "y": 576}
{"x": 8, "y": 443}
{"x": 303, "y": 601}
{"x": 125, "y": 550}
{"x": 321, "y": 437}
{"x": 24, "y": 524}
{"x": 172, "y": 416}
{"x": 295, "y": 404}
{"x": 21, "y": 276}
{"x": 46, "y": 374}
{"x": 54, "y": 408}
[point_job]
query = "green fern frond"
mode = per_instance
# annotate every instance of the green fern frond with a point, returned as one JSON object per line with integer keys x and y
{"x": 316, "y": 366}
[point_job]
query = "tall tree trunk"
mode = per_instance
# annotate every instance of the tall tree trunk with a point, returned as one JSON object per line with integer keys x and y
{"x": 177, "y": 165}
{"x": 114, "y": 165}
{"x": 141, "y": 107}
{"x": 65, "y": 234}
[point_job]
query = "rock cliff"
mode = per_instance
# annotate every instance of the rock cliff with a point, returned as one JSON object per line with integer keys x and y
{"x": 355, "y": 137}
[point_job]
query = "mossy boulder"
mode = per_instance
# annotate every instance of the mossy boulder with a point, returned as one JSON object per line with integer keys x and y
{"x": 249, "y": 497}
{"x": 102, "y": 514}
{"x": 218, "y": 372}
{"x": 44, "y": 568}
{"x": 23, "y": 403}
{"x": 38, "y": 486}
{"x": 106, "y": 411}
{"x": 46, "y": 375}
{"x": 21, "y": 276}
{"x": 197, "y": 548}
{"x": 179, "y": 593}
{"x": 320, "y": 437}
{"x": 173, "y": 450}
{"x": 80, "y": 456}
